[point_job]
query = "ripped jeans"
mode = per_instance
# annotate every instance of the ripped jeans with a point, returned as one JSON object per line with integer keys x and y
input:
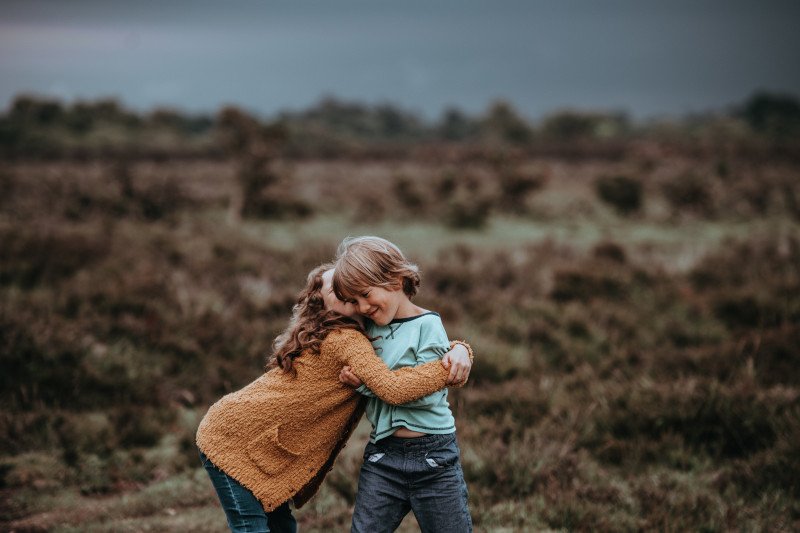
{"x": 420, "y": 474}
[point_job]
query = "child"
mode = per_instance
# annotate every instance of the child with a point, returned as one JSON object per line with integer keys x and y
{"x": 276, "y": 439}
{"x": 412, "y": 459}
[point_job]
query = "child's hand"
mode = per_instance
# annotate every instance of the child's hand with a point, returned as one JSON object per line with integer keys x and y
{"x": 347, "y": 377}
{"x": 457, "y": 360}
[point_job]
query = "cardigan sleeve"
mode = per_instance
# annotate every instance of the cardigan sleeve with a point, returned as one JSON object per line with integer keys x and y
{"x": 394, "y": 387}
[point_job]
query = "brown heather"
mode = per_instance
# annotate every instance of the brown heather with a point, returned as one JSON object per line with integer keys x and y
{"x": 633, "y": 304}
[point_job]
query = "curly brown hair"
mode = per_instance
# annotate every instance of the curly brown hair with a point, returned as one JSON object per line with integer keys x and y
{"x": 310, "y": 324}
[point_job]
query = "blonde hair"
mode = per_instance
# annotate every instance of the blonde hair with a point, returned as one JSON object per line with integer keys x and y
{"x": 369, "y": 261}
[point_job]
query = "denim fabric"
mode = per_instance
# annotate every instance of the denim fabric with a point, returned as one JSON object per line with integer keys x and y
{"x": 243, "y": 510}
{"x": 422, "y": 475}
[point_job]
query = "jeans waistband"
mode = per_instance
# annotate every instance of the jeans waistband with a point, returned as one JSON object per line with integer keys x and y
{"x": 415, "y": 442}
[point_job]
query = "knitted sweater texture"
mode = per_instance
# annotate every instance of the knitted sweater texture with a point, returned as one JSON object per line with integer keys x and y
{"x": 280, "y": 435}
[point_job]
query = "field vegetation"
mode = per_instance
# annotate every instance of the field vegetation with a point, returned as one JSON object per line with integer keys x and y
{"x": 632, "y": 293}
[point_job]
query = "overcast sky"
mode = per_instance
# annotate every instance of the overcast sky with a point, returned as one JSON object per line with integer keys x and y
{"x": 645, "y": 57}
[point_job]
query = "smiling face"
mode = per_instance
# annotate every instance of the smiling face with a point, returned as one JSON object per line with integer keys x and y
{"x": 332, "y": 303}
{"x": 379, "y": 304}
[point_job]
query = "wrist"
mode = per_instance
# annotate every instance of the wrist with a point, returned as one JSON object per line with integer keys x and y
{"x": 466, "y": 346}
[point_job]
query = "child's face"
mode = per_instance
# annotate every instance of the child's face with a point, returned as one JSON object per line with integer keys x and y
{"x": 379, "y": 304}
{"x": 332, "y": 303}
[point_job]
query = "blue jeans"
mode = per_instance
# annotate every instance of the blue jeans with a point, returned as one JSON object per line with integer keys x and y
{"x": 243, "y": 510}
{"x": 422, "y": 475}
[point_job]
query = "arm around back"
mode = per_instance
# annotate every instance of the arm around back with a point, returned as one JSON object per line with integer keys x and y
{"x": 392, "y": 386}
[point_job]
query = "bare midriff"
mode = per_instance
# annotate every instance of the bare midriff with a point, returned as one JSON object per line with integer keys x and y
{"x": 406, "y": 433}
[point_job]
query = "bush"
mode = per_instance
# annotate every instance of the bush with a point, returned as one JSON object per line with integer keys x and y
{"x": 569, "y": 126}
{"x": 32, "y": 469}
{"x": 689, "y": 192}
{"x": 7, "y": 186}
{"x": 585, "y": 285}
{"x": 621, "y": 192}
{"x": 516, "y": 186}
{"x": 611, "y": 251}
{"x": 503, "y": 123}
{"x": 743, "y": 310}
{"x": 469, "y": 204}
{"x": 773, "y": 470}
{"x": 723, "y": 422}
{"x": 776, "y": 359}
{"x": 265, "y": 193}
{"x": 407, "y": 191}
{"x": 775, "y": 115}
{"x": 30, "y": 256}
{"x": 160, "y": 200}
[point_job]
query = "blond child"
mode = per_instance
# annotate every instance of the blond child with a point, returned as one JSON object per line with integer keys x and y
{"x": 412, "y": 459}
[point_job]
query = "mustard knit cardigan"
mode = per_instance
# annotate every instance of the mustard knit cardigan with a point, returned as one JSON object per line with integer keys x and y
{"x": 280, "y": 435}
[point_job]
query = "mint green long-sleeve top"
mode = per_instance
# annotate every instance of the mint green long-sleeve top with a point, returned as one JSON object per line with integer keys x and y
{"x": 409, "y": 342}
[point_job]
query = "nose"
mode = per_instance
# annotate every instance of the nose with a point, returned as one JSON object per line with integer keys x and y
{"x": 363, "y": 306}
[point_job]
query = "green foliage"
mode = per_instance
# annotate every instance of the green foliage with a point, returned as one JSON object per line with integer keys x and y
{"x": 776, "y": 115}
{"x": 354, "y": 120}
{"x": 568, "y": 126}
{"x": 456, "y": 126}
{"x": 43, "y": 128}
{"x": 573, "y": 126}
{"x": 504, "y": 123}
{"x": 37, "y": 127}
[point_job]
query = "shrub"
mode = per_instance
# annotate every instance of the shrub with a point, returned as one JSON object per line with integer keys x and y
{"x": 621, "y": 192}
{"x": 7, "y": 186}
{"x": 504, "y": 123}
{"x": 723, "y": 422}
{"x": 160, "y": 200}
{"x": 30, "y": 256}
{"x": 776, "y": 359}
{"x": 265, "y": 193}
{"x": 455, "y": 125}
{"x": 516, "y": 186}
{"x": 776, "y": 115}
{"x": 32, "y": 469}
{"x": 776, "y": 469}
{"x": 407, "y": 191}
{"x": 569, "y": 126}
{"x": 85, "y": 433}
{"x": 689, "y": 192}
{"x": 585, "y": 285}
{"x": 611, "y": 251}
{"x": 791, "y": 198}
{"x": 370, "y": 206}
{"x": 466, "y": 211}
{"x": 743, "y": 310}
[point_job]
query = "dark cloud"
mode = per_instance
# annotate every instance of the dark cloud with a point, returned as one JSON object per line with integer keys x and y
{"x": 647, "y": 58}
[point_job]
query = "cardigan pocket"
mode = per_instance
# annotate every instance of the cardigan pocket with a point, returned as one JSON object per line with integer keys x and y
{"x": 269, "y": 453}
